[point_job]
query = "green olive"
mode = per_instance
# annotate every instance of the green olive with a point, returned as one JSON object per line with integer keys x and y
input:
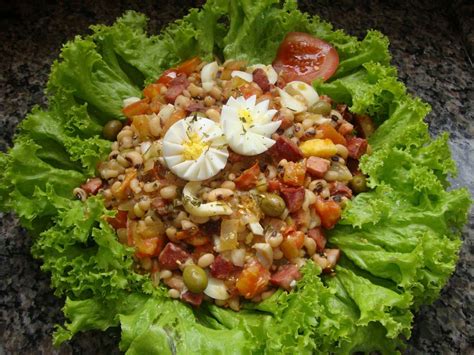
{"x": 322, "y": 107}
{"x": 195, "y": 278}
{"x": 359, "y": 183}
{"x": 272, "y": 205}
{"x": 111, "y": 129}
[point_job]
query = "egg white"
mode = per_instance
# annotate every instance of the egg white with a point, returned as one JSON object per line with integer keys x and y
{"x": 248, "y": 138}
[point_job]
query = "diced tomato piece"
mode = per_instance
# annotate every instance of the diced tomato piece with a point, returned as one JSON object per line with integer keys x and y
{"x": 172, "y": 256}
{"x": 329, "y": 211}
{"x": 357, "y": 147}
{"x": 194, "y": 299}
{"x": 293, "y": 196}
{"x": 248, "y": 179}
{"x": 330, "y": 132}
{"x": 317, "y": 166}
{"x": 284, "y": 148}
{"x": 92, "y": 186}
{"x": 152, "y": 90}
{"x": 223, "y": 269}
{"x": 120, "y": 219}
{"x": 273, "y": 185}
{"x": 338, "y": 188}
{"x": 317, "y": 235}
{"x": 137, "y": 108}
{"x": 252, "y": 280}
{"x": 292, "y": 244}
{"x": 167, "y": 76}
{"x": 285, "y": 275}
{"x": 294, "y": 174}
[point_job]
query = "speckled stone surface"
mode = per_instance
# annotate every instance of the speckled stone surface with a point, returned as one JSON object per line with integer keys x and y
{"x": 431, "y": 42}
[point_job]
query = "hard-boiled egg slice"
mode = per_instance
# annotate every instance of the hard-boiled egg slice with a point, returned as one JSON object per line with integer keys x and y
{"x": 303, "y": 89}
{"x": 247, "y": 125}
{"x": 195, "y": 149}
{"x": 242, "y": 75}
{"x": 290, "y": 102}
{"x": 208, "y": 75}
{"x": 272, "y": 75}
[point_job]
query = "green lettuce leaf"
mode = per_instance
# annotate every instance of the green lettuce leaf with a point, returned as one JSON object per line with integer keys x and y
{"x": 399, "y": 240}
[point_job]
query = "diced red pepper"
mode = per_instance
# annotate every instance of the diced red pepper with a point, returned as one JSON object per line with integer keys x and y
{"x": 223, "y": 269}
{"x": 137, "y": 108}
{"x": 172, "y": 256}
{"x": 194, "y": 299}
{"x": 248, "y": 179}
{"x": 120, "y": 220}
{"x": 152, "y": 90}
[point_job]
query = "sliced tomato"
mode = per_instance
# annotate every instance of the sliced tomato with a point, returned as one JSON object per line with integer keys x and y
{"x": 304, "y": 57}
{"x": 248, "y": 179}
{"x": 329, "y": 211}
{"x": 252, "y": 280}
{"x": 137, "y": 108}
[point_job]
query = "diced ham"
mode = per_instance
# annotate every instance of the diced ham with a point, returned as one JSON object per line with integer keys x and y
{"x": 248, "y": 179}
{"x": 338, "y": 188}
{"x": 317, "y": 235}
{"x": 195, "y": 107}
{"x": 284, "y": 148}
{"x": 194, "y": 299}
{"x": 172, "y": 256}
{"x": 285, "y": 276}
{"x": 294, "y": 197}
{"x": 223, "y": 269}
{"x": 261, "y": 79}
{"x": 92, "y": 186}
{"x": 317, "y": 167}
{"x": 356, "y": 147}
{"x": 176, "y": 87}
{"x": 120, "y": 220}
{"x": 235, "y": 157}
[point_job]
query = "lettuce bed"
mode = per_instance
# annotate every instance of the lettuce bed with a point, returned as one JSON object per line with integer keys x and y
{"x": 399, "y": 241}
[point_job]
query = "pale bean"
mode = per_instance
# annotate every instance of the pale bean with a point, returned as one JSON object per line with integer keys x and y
{"x": 171, "y": 232}
{"x": 145, "y": 204}
{"x": 198, "y": 220}
{"x": 275, "y": 240}
{"x": 165, "y": 274}
{"x": 151, "y": 186}
{"x": 135, "y": 158}
{"x": 135, "y": 186}
{"x": 331, "y": 175}
{"x": 238, "y": 257}
{"x": 196, "y": 91}
{"x": 138, "y": 211}
{"x": 155, "y": 125}
{"x": 234, "y": 304}
{"x": 215, "y": 92}
{"x": 307, "y": 123}
{"x": 109, "y": 174}
{"x": 342, "y": 151}
{"x": 173, "y": 293}
{"x": 228, "y": 185}
{"x": 209, "y": 101}
{"x": 186, "y": 224}
{"x": 80, "y": 194}
{"x": 219, "y": 194}
{"x": 149, "y": 221}
{"x": 122, "y": 161}
{"x": 310, "y": 245}
{"x": 168, "y": 192}
{"x": 182, "y": 102}
{"x": 277, "y": 254}
{"x": 206, "y": 260}
{"x": 213, "y": 114}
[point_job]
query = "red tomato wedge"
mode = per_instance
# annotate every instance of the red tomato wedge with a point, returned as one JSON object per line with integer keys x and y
{"x": 306, "y": 58}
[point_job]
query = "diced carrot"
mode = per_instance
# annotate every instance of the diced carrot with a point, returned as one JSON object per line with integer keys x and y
{"x": 152, "y": 90}
{"x": 189, "y": 66}
{"x": 252, "y": 280}
{"x": 329, "y": 211}
{"x": 292, "y": 245}
{"x": 121, "y": 192}
{"x": 175, "y": 117}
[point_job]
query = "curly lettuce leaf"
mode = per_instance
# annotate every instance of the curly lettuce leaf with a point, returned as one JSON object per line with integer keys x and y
{"x": 399, "y": 240}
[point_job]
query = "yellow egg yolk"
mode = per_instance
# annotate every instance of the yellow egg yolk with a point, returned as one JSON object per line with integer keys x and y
{"x": 246, "y": 117}
{"x": 193, "y": 147}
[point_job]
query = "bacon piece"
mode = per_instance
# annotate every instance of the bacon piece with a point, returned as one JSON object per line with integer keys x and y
{"x": 172, "y": 256}
{"x": 194, "y": 299}
{"x": 261, "y": 79}
{"x": 92, "y": 186}
{"x": 317, "y": 235}
{"x": 284, "y": 148}
{"x": 195, "y": 107}
{"x": 293, "y": 196}
{"x": 248, "y": 179}
{"x": 223, "y": 269}
{"x": 357, "y": 147}
{"x": 338, "y": 188}
{"x": 176, "y": 87}
{"x": 285, "y": 276}
{"x": 317, "y": 167}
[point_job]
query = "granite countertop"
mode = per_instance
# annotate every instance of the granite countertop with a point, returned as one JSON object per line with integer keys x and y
{"x": 431, "y": 44}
